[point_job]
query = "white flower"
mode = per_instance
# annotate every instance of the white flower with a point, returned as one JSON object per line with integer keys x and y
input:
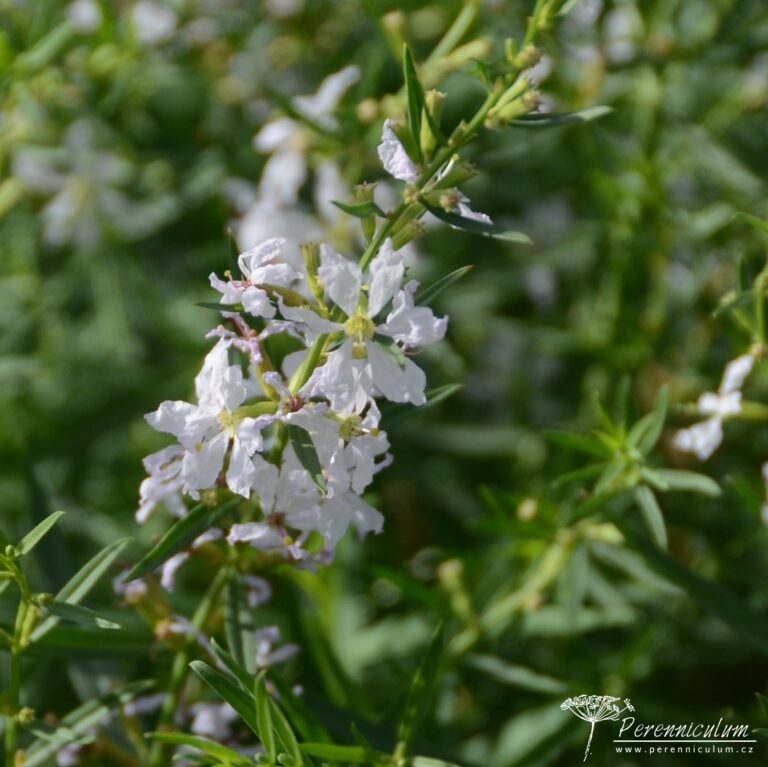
{"x": 84, "y": 15}
{"x": 289, "y": 501}
{"x": 172, "y": 565}
{"x": 347, "y": 445}
{"x": 265, "y": 639}
{"x": 154, "y": 23}
{"x": 286, "y": 139}
{"x": 163, "y": 485}
{"x": 703, "y": 438}
{"x": 260, "y": 266}
{"x": 363, "y": 365}
{"x": 213, "y": 720}
{"x": 393, "y": 156}
{"x": 206, "y": 430}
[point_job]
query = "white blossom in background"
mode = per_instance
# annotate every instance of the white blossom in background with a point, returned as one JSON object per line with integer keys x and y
{"x": 703, "y": 438}
{"x": 84, "y": 15}
{"x": 153, "y": 22}
{"x": 213, "y": 720}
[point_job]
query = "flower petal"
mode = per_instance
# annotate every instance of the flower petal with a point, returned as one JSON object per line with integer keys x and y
{"x": 396, "y": 383}
{"x": 393, "y": 156}
{"x": 385, "y": 276}
{"x": 341, "y": 278}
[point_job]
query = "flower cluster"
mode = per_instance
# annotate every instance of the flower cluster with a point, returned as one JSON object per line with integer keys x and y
{"x": 298, "y": 436}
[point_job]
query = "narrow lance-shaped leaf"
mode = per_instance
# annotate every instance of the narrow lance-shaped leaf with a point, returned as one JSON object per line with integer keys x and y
{"x": 680, "y": 479}
{"x": 181, "y": 536}
{"x": 360, "y": 209}
{"x": 331, "y": 753}
{"x": 566, "y": 118}
{"x": 427, "y": 295}
{"x": 415, "y": 97}
{"x": 81, "y": 583}
{"x": 394, "y": 414}
{"x": 421, "y": 688}
{"x": 80, "y": 721}
{"x": 285, "y": 734}
{"x": 221, "y": 753}
{"x": 234, "y": 667}
{"x": 652, "y": 516}
{"x": 479, "y": 227}
{"x": 711, "y": 597}
{"x": 264, "y": 717}
{"x": 228, "y": 691}
{"x": 80, "y": 614}
{"x": 34, "y": 536}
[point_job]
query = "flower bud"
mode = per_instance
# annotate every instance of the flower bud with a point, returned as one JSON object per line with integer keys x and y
{"x": 528, "y": 57}
{"x": 364, "y": 193}
{"x": 433, "y": 106}
{"x": 310, "y": 253}
{"x": 411, "y": 231}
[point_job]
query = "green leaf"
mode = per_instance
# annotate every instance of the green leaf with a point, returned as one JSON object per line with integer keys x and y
{"x": 34, "y": 536}
{"x": 233, "y": 308}
{"x": 650, "y": 435}
{"x": 428, "y": 761}
{"x": 394, "y": 414}
{"x": 516, "y": 676}
{"x": 360, "y": 209}
{"x": 180, "y": 536}
{"x": 299, "y": 713}
{"x": 566, "y": 118}
{"x": 416, "y": 704}
{"x": 679, "y": 479}
{"x": 478, "y": 227}
{"x": 228, "y": 691}
{"x": 80, "y": 614}
{"x": 79, "y": 722}
{"x": 305, "y": 451}
{"x": 285, "y": 734}
{"x": 264, "y": 716}
{"x": 428, "y": 294}
{"x": 221, "y": 753}
{"x": 331, "y": 753}
{"x": 237, "y": 670}
{"x": 238, "y": 624}
{"x": 711, "y": 597}
{"x": 81, "y": 583}
{"x": 753, "y": 221}
{"x": 578, "y": 442}
{"x": 415, "y": 97}
{"x": 652, "y": 516}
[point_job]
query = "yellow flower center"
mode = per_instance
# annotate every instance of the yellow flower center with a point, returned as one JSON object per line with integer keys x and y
{"x": 360, "y": 328}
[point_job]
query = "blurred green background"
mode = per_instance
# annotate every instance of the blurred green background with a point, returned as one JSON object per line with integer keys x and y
{"x": 126, "y": 150}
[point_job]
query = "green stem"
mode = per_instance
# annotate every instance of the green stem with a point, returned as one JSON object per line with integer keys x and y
{"x": 454, "y": 34}
{"x": 158, "y": 755}
{"x": 14, "y": 686}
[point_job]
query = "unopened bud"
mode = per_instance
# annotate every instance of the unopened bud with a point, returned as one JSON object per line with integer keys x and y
{"x": 364, "y": 193}
{"x": 528, "y": 57}
{"x": 367, "y": 110}
{"x": 411, "y": 231}
{"x": 433, "y": 106}
{"x": 510, "y": 51}
{"x": 531, "y": 100}
{"x": 25, "y": 715}
{"x": 450, "y": 199}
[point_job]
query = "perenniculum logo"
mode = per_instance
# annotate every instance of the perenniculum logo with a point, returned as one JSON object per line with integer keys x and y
{"x": 594, "y": 709}
{"x": 658, "y": 738}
